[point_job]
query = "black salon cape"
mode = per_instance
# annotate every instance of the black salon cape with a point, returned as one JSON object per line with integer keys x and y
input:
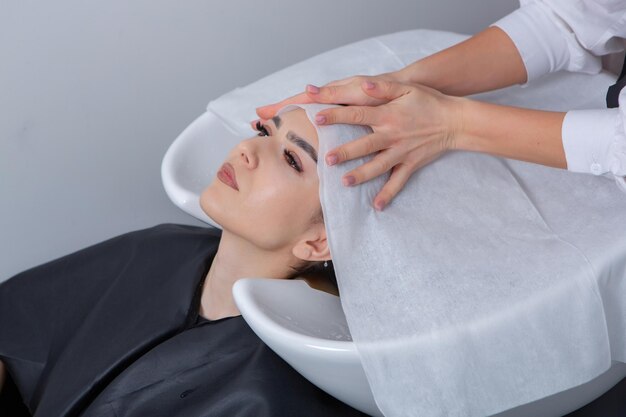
{"x": 113, "y": 330}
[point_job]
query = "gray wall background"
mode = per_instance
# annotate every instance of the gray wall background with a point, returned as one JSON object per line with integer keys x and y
{"x": 93, "y": 93}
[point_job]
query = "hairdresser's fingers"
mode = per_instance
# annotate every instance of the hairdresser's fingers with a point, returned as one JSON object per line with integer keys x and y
{"x": 350, "y": 93}
{"x": 400, "y": 174}
{"x": 345, "y": 91}
{"x": 352, "y": 115}
{"x": 384, "y": 90}
{"x": 381, "y": 163}
{"x": 357, "y": 148}
{"x": 269, "y": 111}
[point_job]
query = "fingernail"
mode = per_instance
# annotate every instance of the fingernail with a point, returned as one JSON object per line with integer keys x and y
{"x": 312, "y": 89}
{"x": 331, "y": 159}
{"x": 320, "y": 119}
{"x": 349, "y": 180}
{"x": 380, "y": 204}
{"x": 369, "y": 85}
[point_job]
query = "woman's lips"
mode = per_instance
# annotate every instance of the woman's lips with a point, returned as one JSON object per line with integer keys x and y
{"x": 226, "y": 174}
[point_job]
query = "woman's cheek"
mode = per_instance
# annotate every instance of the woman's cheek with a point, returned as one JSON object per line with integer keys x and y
{"x": 281, "y": 199}
{"x": 275, "y": 208}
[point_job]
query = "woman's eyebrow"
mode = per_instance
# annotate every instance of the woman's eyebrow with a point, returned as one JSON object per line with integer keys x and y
{"x": 277, "y": 121}
{"x": 306, "y": 146}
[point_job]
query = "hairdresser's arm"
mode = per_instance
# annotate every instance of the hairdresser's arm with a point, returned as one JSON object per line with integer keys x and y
{"x": 487, "y": 61}
{"x": 512, "y": 132}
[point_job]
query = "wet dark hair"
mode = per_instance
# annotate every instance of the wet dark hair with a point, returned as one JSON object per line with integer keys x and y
{"x": 316, "y": 270}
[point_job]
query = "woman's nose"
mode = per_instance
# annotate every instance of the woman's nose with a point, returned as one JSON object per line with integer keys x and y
{"x": 248, "y": 154}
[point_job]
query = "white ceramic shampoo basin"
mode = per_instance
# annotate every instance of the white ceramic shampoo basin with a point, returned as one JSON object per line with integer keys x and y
{"x": 308, "y": 329}
{"x": 192, "y": 161}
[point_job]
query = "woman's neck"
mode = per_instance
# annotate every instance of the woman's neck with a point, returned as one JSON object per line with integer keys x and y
{"x": 236, "y": 258}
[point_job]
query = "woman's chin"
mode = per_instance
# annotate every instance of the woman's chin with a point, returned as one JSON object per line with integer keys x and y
{"x": 211, "y": 203}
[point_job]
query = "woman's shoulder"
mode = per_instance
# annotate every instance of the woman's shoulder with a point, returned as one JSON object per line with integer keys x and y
{"x": 174, "y": 230}
{"x": 170, "y": 235}
{"x": 167, "y": 241}
{"x": 167, "y": 234}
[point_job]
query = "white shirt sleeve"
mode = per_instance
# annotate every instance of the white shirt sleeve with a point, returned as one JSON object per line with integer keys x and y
{"x": 553, "y": 35}
{"x": 595, "y": 141}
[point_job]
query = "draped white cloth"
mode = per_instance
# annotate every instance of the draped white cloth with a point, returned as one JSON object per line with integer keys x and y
{"x": 487, "y": 283}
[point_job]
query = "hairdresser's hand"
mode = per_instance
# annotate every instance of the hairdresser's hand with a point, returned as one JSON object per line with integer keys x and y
{"x": 415, "y": 126}
{"x": 347, "y": 90}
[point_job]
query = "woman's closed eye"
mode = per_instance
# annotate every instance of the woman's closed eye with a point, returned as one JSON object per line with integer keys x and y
{"x": 289, "y": 156}
{"x": 262, "y": 130}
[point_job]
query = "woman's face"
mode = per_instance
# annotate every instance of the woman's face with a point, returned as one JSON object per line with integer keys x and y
{"x": 278, "y": 186}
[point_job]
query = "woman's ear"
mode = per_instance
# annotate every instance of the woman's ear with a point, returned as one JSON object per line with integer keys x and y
{"x": 313, "y": 246}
